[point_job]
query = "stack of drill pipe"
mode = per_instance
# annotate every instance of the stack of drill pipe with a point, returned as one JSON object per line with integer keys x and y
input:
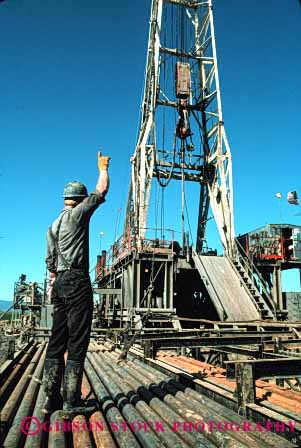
{"x": 15, "y": 435}
{"x": 208, "y": 412}
{"x": 9, "y": 410}
{"x": 112, "y": 414}
{"x": 160, "y": 408}
{"x": 177, "y": 397}
{"x": 167, "y": 437}
{"x": 186, "y": 393}
{"x": 193, "y": 411}
{"x": 268, "y": 437}
{"x": 186, "y": 412}
{"x": 167, "y": 414}
{"x": 196, "y": 402}
{"x": 129, "y": 412}
{"x": 15, "y": 375}
{"x": 260, "y": 438}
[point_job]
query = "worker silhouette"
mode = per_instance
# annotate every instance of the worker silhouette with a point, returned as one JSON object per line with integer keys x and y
{"x": 72, "y": 296}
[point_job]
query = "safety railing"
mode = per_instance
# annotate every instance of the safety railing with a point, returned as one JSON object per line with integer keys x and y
{"x": 128, "y": 243}
{"x": 254, "y": 274}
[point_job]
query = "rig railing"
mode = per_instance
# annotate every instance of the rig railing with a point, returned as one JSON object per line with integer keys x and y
{"x": 254, "y": 274}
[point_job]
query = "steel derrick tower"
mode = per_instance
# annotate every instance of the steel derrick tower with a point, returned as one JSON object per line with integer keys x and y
{"x": 181, "y": 79}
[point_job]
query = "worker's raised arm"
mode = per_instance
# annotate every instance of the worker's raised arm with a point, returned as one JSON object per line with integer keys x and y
{"x": 103, "y": 182}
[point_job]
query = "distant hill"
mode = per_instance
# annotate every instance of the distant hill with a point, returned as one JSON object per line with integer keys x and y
{"x": 5, "y": 304}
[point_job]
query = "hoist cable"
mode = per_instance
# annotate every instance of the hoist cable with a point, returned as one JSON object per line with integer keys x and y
{"x": 162, "y": 211}
{"x": 186, "y": 208}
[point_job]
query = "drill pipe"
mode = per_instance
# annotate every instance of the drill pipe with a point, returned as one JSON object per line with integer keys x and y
{"x": 15, "y": 374}
{"x": 242, "y": 438}
{"x": 87, "y": 393}
{"x": 263, "y": 438}
{"x": 102, "y": 438}
{"x": 56, "y": 430}
{"x": 9, "y": 365}
{"x": 178, "y": 399}
{"x": 190, "y": 413}
{"x": 259, "y": 440}
{"x": 101, "y": 432}
{"x": 167, "y": 437}
{"x": 150, "y": 384}
{"x": 137, "y": 381}
{"x": 81, "y": 437}
{"x": 147, "y": 439}
{"x": 86, "y": 389}
{"x": 35, "y": 439}
{"x": 198, "y": 437}
{"x": 267, "y": 437}
{"x": 125, "y": 439}
{"x": 196, "y": 406}
{"x": 14, "y": 436}
{"x": 14, "y": 400}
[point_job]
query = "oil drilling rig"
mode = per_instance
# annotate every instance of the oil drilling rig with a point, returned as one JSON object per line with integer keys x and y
{"x": 182, "y": 138}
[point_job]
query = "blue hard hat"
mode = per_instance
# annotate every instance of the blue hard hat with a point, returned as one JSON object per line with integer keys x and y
{"x": 75, "y": 189}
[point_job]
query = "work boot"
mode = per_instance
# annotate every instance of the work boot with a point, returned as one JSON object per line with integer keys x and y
{"x": 73, "y": 404}
{"x": 53, "y": 372}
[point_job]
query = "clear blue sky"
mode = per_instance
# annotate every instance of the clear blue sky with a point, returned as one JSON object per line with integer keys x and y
{"x": 71, "y": 76}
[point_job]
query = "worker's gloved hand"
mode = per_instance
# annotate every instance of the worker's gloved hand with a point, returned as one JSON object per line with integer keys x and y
{"x": 103, "y": 162}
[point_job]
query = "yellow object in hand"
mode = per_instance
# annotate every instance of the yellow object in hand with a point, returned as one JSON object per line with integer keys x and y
{"x": 103, "y": 162}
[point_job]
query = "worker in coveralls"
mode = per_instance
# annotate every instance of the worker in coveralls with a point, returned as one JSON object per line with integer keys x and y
{"x": 72, "y": 296}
